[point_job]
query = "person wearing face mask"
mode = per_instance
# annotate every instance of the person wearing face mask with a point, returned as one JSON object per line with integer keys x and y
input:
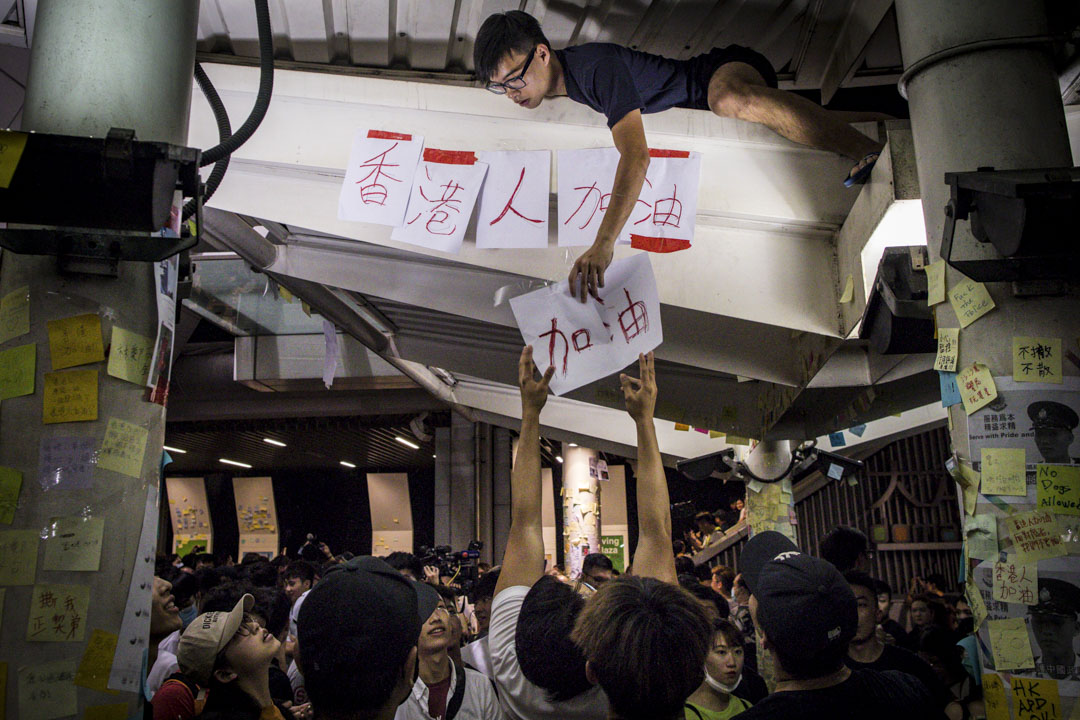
{"x": 713, "y": 700}
{"x": 445, "y": 689}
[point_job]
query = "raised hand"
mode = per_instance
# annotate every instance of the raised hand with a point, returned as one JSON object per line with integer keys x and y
{"x": 533, "y": 392}
{"x": 640, "y": 393}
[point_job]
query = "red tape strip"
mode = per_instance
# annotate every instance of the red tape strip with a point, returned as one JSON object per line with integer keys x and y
{"x": 668, "y": 153}
{"x": 449, "y": 157}
{"x": 384, "y": 135}
{"x": 658, "y": 245}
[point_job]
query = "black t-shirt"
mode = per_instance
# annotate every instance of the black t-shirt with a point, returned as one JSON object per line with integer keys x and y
{"x": 894, "y": 658}
{"x": 615, "y": 80}
{"x": 866, "y": 694}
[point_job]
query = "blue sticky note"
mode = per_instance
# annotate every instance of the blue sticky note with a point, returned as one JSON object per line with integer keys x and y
{"x": 950, "y": 393}
{"x": 836, "y": 439}
{"x": 857, "y": 430}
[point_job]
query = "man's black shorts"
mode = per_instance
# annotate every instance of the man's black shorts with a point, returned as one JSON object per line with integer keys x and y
{"x": 700, "y": 69}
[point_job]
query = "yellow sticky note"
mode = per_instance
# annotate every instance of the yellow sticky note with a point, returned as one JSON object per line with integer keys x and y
{"x": 713, "y": 434}
{"x": 971, "y": 301}
{"x": 935, "y": 283}
{"x": 969, "y": 481}
{"x": 130, "y": 355}
{"x": 1057, "y": 489}
{"x": 1011, "y": 645}
{"x": 1036, "y": 535}
{"x": 737, "y": 440}
{"x": 17, "y": 369}
{"x": 1036, "y": 359}
{"x": 18, "y": 556}
{"x": 849, "y": 290}
{"x": 75, "y": 341}
{"x": 74, "y": 543}
{"x": 12, "y": 144}
{"x": 70, "y": 396}
{"x": 682, "y": 428}
{"x": 1003, "y": 471}
{"x": 123, "y": 448}
{"x": 977, "y": 387}
{"x": 1035, "y": 698}
{"x": 113, "y": 711}
{"x": 994, "y": 698}
{"x": 97, "y": 661}
{"x": 1016, "y": 582}
{"x": 58, "y": 613}
{"x": 948, "y": 348}
{"x": 285, "y": 294}
{"x": 975, "y": 600}
{"x": 15, "y": 314}
{"x": 10, "y": 485}
{"x": 47, "y": 690}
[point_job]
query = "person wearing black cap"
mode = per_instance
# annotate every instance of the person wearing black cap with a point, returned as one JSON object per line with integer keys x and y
{"x": 806, "y": 615}
{"x": 358, "y": 631}
{"x": 1054, "y": 624}
{"x": 1053, "y": 424}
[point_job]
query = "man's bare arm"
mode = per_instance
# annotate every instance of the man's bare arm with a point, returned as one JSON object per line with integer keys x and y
{"x": 629, "y": 137}
{"x": 653, "y": 557}
{"x": 523, "y": 562}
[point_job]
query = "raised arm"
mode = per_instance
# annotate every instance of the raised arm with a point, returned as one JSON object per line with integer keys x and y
{"x": 629, "y": 137}
{"x": 653, "y": 557}
{"x": 523, "y": 562}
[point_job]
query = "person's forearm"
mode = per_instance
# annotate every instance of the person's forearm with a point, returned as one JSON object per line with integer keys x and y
{"x": 525, "y": 483}
{"x": 654, "y": 510}
{"x": 629, "y": 178}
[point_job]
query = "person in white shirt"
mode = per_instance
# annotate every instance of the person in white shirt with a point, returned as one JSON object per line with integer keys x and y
{"x": 299, "y": 579}
{"x": 445, "y": 690}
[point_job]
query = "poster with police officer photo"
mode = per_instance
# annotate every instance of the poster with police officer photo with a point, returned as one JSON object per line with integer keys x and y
{"x": 1052, "y": 619}
{"x": 1040, "y": 418}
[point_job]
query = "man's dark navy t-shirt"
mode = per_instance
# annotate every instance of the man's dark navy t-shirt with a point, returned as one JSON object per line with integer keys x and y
{"x": 867, "y": 694}
{"x": 615, "y": 80}
{"x": 894, "y": 658}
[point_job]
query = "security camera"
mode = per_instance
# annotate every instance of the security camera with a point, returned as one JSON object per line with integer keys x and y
{"x": 831, "y": 465}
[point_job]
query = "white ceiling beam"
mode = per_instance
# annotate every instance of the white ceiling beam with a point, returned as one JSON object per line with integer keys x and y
{"x": 858, "y": 27}
{"x": 823, "y": 26}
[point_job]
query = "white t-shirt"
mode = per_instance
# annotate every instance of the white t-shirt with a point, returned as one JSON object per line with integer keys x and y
{"x": 294, "y": 612}
{"x": 476, "y": 655}
{"x": 165, "y": 664}
{"x": 478, "y": 703}
{"x": 519, "y": 698}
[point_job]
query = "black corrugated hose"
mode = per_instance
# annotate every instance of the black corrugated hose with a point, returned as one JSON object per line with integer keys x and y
{"x": 230, "y": 142}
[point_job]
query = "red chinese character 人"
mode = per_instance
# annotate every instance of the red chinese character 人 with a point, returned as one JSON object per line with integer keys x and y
{"x": 510, "y": 204}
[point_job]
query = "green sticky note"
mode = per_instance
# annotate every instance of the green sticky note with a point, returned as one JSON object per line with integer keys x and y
{"x": 1058, "y": 488}
{"x": 1016, "y": 582}
{"x": 977, "y": 387}
{"x": 130, "y": 355}
{"x": 935, "y": 283}
{"x": 97, "y": 660}
{"x": 982, "y": 536}
{"x": 1003, "y": 471}
{"x": 74, "y": 543}
{"x": 15, "y": 314}
{"x": 1036, "y": 535}
{"x": 994, "y": 699}
{"x": 17, "y": 369}
{"x": 1036, "y": 359}
{"x": 18, "y": 556}
{"x": 10, "y": 485}
{"x": 1010, "y": 644}
{"x": 47, "y": 690}
{"x": 123, "y": 448}
{"x": 58, "y": 613}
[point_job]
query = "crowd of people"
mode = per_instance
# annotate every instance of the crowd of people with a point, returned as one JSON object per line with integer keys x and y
{"x": 343, "y": 637}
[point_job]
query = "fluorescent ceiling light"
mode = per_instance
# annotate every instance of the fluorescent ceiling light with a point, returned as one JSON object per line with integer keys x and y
{"x": 347, "y": 464}
{"x": 559, "y": 458}
{"x": 233, "y": 462}
{"x": 174, "y": 450}
{"x": 573, "y": 444}
{"x": 408, "y": 443}
{"x": 274, "y": 442}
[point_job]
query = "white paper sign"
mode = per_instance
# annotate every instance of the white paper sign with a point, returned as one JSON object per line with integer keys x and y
{"x": 591, "y": 340}
{"x": 663, "y": 220}
{"x": 585, "y": 181}
{"x": 379, "y": 176}
{"x": 513, "y": 211}
{"x": 441, "y": 203}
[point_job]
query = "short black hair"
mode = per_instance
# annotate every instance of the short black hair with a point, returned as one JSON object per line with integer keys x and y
{"x": 261, "y": 573}
{"x": 705, "y": 516}
{"x": 546, "y": 655}
{"x": 842, "y": 547}
{"x": 596, "y": 561}
{"x": 882, "y": 588}
{"x": 690, "y": 584}
{"x": 684, "y": 566}
{"x": 272, "y": 604}
{"x": 400, "y": 560}
{"x": 184, "y": 588}
{"x": 485, "y": 586}
{"x": 502, "y": 34}
{"x": 224, "y": 597}
{"x": 205, "y": 558}
{"x": 861, "y": 579}
{"x": 301, "y": 569}
{"x": 938, "y": 580}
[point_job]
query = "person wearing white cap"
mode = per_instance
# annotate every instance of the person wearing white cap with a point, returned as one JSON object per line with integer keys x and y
{"x": 229, "y": 654}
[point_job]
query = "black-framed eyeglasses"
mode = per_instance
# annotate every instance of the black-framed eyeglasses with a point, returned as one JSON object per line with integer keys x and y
{"x": 515, "y": 83}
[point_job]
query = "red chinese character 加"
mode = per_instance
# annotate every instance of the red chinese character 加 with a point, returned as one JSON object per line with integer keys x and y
{"x": 579, "y": 334}
{"x": 599, "y": 203}
{"x": 551, "y": 344}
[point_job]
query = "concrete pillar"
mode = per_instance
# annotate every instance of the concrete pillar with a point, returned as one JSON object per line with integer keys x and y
{"x": 95, "y": 65}
{"x": 769, "y": 506}
{"x": 442, "y": 486}
{"x": 581, "y": 506}
{"x": 500, "y": 492}
{"x": 982, "y": 91}
{"x": 484, "y": 490}
{"x": 462, "y": 482}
